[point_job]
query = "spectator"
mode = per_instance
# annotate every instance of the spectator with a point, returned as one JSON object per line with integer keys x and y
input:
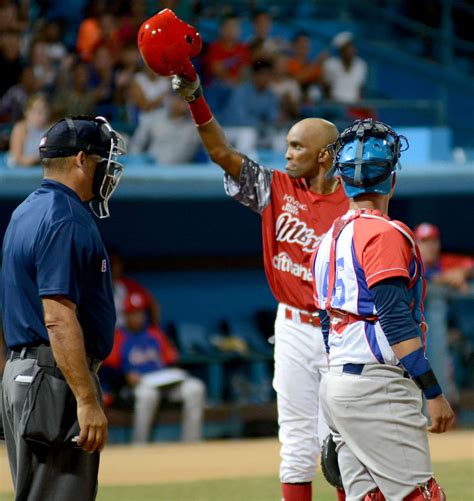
{"x": 307, "y": 71}
{"x": 73, "y": 96}
{"x": 10, "y": 59}
{"x": 262, "y": 45}
{"x": 131, "y": 21}
{"x": 251, "y": 107}
{"x": 345, "y": 75}
{"x": 109, "y": 34}
{"x": 12, "y": 16}
{"x": 143, "y": 353}
{"x": 253, "y": 103}
{"x": 174, "y": 123}
{"x": 100, "y": 29}
{"x": 442, "y": 268}
{"x": 27, "y": 133}
{"x": 287, "y": 89}
{"x": 101, "y": 79}
{"x": 147, "y": 94}
{"x": 125, "y": 286}
{"x": 50, "y": 35}
{"x": 14, "y": 100}
{"x": 227, "y": 59}
{"x": 128, "y": 64}
{"x": 43, "y": 68}
{"x": 89, "y": 34}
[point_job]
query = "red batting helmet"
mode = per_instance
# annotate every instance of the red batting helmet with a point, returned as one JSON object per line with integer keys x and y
{"x": 136, "y": 301}
{"x": 426, "y": 231}
{"x": 167, "y": 43}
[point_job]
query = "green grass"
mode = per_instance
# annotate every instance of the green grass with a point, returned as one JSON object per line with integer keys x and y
{"x": 456, "y": 477}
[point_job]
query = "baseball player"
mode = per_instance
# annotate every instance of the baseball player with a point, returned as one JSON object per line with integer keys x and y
{"x": 369, "y": 290}
{"x": 297, "y": 209}
{"x": 142, "y": 350}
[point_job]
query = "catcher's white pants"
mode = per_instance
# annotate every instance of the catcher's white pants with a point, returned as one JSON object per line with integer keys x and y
{"x": 300, "y": 362}
{"x": 191, "y": 392}
{"x": 379, "y": 431}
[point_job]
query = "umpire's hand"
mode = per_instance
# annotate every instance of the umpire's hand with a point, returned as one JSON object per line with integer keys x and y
{"x": 441, "y": 414}
{"x": 93, "y": 426}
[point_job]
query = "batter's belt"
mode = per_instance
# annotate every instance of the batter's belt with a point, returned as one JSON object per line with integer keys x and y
{"x": 304, "y": 317}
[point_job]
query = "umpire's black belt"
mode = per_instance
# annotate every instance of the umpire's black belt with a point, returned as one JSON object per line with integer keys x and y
{"x": 44, "y": 356}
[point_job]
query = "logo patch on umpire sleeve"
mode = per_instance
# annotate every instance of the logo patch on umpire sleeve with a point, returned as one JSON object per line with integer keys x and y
{"x": 104, "y": 266}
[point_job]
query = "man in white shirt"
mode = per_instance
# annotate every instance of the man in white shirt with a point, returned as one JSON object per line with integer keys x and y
{"x": 345, "y": 75}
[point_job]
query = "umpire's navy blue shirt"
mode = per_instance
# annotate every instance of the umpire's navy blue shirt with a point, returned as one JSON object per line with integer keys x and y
{"x": 52, "y": 247}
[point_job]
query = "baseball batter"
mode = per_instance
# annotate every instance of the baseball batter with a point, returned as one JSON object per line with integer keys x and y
{"x": 369, "y": 288}
{"x": 297, "y": 209}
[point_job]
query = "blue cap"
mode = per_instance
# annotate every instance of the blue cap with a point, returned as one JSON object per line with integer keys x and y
{"x": 71, "y": 135}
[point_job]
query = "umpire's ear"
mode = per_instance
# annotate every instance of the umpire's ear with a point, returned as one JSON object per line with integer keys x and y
{"x": 80, "y": 159}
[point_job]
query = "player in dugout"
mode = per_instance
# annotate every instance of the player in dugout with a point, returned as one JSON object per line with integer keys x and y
{"x": 442, "y": 268}
{"x": 297, "y": 208}
{"x": 369, "y": 288}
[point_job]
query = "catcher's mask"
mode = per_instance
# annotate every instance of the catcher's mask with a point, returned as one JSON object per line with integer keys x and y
{"x": 93, "y": 136}
{"x": 366, "y": 156}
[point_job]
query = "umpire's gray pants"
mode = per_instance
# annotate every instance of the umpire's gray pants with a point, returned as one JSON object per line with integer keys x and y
{"x": 379, "y": 431}
{"x": 42, "y": 473}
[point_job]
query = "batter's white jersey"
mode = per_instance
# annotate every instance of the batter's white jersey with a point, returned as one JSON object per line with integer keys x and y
{"x": 370, "y": 248}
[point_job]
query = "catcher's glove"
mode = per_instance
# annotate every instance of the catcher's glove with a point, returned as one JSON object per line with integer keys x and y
{"x": 329, "y": 465}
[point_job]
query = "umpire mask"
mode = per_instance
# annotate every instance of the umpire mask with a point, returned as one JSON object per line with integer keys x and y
{"x": 109, "y": 170}
{"x": 93, "y": 136}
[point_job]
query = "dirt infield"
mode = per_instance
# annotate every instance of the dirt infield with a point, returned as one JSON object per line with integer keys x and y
{"x": 165, "y": 463}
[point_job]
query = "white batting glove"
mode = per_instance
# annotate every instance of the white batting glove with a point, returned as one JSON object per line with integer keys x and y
{"x": 189, "y": 90}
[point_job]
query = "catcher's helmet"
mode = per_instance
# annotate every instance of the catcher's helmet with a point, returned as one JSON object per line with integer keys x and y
{"x": 365, "y": 157}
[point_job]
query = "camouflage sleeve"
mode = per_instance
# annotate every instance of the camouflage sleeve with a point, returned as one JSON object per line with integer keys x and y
{"x": 253, "y": 189}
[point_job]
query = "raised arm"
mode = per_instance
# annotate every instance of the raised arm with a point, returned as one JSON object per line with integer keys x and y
{"x": 211, "y": 133}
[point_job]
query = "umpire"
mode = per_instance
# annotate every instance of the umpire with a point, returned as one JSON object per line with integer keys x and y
{"x": 59, "y": 315}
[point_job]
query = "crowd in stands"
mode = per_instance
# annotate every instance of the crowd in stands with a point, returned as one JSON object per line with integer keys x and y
{"x": 90, "y": 64}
